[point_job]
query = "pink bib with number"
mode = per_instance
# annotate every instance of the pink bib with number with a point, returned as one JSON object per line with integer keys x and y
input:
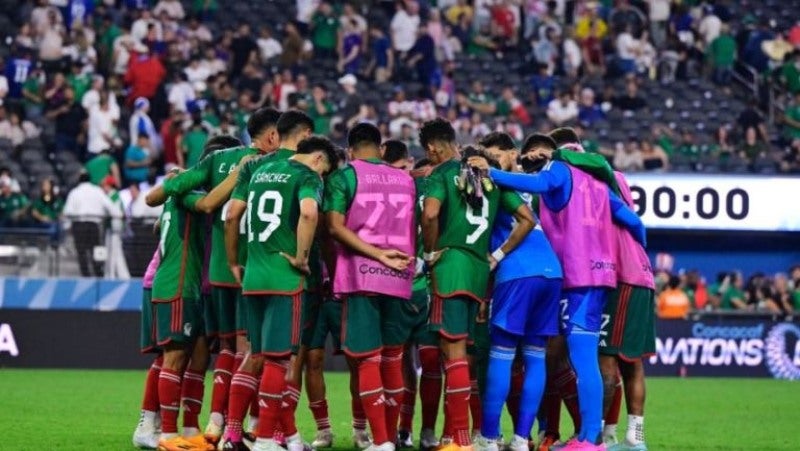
{"x": 633, "y": 264}
{"x": 381, "y": 214}
{"x": 150, "y": 272}
{"x": 582, "y": 235}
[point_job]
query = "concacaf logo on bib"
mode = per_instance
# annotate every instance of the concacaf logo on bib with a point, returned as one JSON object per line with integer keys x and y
{"x": 782, "y": 351}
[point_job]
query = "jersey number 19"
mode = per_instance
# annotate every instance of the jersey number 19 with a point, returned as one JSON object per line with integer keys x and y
{"x": 271, "y": 217}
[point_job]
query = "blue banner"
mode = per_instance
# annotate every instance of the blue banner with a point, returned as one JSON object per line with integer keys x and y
{"x": 70, "y": 294}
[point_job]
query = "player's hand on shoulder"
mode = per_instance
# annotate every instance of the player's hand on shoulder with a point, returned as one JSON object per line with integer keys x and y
{"x": 298, "y": 264}
{"x": 245, "y": 159}
{"x": 478, "y": 162}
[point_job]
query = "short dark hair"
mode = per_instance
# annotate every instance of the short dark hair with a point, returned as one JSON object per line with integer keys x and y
{"x": 436, "y": 130}
{"x": 221, "y": 142}
{"x": 292, "y": 121}
{"x": 501, "y": 140}
{"x": 319, "y": 144}
{"x": 364, "y": 134}
{"x": 564, "y": 135}
{"x": 538, "y": 139}
{"x": 478, "y": 151}
{"x": 261, "y": 120}
{"x": 422, "y": 163}
{"x": 394, "y": 151}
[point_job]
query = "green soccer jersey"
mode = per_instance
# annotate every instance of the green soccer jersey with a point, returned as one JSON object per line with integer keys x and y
{"x": 181, "y": 248}
{"x": 208, "y": 173}
{"x": 273, "y": 211}
{"x": 464, "y": 268}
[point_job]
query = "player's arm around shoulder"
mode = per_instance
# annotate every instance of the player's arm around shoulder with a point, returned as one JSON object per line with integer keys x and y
{"x": 435, "y": 193}
{"x": 511, "y": 202}
{"x": 220, "y": 194}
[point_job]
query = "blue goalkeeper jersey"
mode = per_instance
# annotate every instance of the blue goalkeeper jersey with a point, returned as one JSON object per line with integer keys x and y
{"x": 533, "y": 257}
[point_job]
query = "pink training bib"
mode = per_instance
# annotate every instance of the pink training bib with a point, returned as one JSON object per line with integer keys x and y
{"x": 633, "y": 264}
{"x": 150, "y": 272}
{"x": 381, "y": 214}
{"x": 581, "y": 234}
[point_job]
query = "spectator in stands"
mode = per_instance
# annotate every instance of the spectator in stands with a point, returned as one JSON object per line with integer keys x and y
{"x": 138, "y": 157}
{"x": 196, "y": 73}
{"x": 790, "y": 73}
{"x": 171, "y": 137}
{"x": 54, "y": 92}
{"x": 563, "y": 109}
{"x": 196, "y": 30}
{"x": 350, "y": 103}
{"x": 400, "y": 110}
{"x": 294, "y": 52}
{"x": 721, "y": 53}
{"x": 325, "y": 31}
{"x": 733, "y": 297}
{"x": 173, "y": 8}
{"x": 181, "y": 92}
{"x": 590, "y": 31}
{"x": 382, "y": 63}
{"x": 47, "y": 209}
{"x": 51, "y": 40}
{"x": 352, "y": 18}
{"x": 87, "y": 206}
{"x": 404, "y": 25}
{"x": 141, "y": 124}
{"x": 510, "y": 106}
{"x": 759, "y": 295}
{"x": 543, "y": 86}
{"x": 70, "y": 124}
{"x": 422, "y": 56}
{"x": 144, "y": 76}
{"x": 545, "y": 51}
{"x": 505, "y": 23}
{"x": 101, "y": 166}
{"x": 791, "y": 119}
{"x": 269, "y": 46}
{"x": 659, "y": 14}
{"x": 244, "y": 50}
{"x": 752, "y": 51}
{"x": 628, "y": 157}
{"x": 627, "y": 51}
{"x": 92, "y": 97}
{"x": 589, "y": 112}
{"x": 680, "y": 25}
{"x": 752, "y": 147}
{"x": 350, "y": 56}
{"x": 461, "y": 9}
{"x": 479, "y": 100}
{"x": 689, "y": 149}
{"x": 631, "y": 101}
{"x": 672, "y": 302}
{"x": 17, "y": 130}
{"x": 625, "y": 16}
{"x": 194, "y": 139}
{"x": 13, "y": 205}
{"x": 722, "y": 145}
{"x": 102, "y": 128}
{"x": 32, "y": 91}
{"x": 782, "y": 294}
{"x": 654, "y": 158}
{"x": 321, "y": 110}
{"x": 710, "y": 26}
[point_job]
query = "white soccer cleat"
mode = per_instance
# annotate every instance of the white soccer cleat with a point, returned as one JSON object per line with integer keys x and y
{"x": 518, "y": 444}
{"x": 482, "y": 443}
{"x": 428, "y": 439}
{"x": 266, "y": 445}
{"x": 388, "y": 446}
{"x": 145, "y": 435}
{"x": 296, "y": 443}
{"x": 361, "y": 439}
{"x": 324, "y": 439}
{"x": 213, "y": 433}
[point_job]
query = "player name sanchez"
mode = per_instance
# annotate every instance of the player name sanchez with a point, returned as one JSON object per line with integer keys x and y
{"x": 272, "y": 177}
{"x": 382, "y": 179}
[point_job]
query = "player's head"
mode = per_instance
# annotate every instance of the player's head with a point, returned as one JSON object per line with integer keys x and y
{"x": 567, "y": 137}
{"x": 318, "y": 153}
{"x": 500, "y": 146}
{"x": 438, "y": 138}
{"x": 220, "y": 142}
{"x": 263, "y": 129}
{"x": 364, "y": 141}
{"x": 294, "y": 126}
{"x": 536, "y": 151}
{"x": 395, "y": 153}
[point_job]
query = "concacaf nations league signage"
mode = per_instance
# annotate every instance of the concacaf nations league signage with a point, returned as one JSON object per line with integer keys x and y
{"x": 725, "y": 348}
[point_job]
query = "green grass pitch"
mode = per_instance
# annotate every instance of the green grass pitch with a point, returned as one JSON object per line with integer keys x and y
{"x": 82, "y": 410}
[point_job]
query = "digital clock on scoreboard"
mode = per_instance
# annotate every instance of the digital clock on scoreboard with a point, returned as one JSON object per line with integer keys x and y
{"x": 717, "y": 202}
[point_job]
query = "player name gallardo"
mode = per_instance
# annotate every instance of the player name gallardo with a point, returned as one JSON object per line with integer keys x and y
{"x": 382, "y": 179}
{"x": 272, "y": 177}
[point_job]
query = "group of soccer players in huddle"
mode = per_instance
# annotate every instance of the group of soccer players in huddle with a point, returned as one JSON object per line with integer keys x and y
{"x": 502, "y": 271}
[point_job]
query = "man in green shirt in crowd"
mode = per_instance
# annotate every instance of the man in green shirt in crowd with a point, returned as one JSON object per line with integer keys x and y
{"x": 721, "y": 54}
{"x": 79, "y": 81}
{"x": 193, "y": 142}
{"x": 792, "y": 118}
{"x": 101, "y": 166}
{"x": 325, "y": 30}
{"x": 321, "y": 110}
{"x": 13, "y": 206}
{"x": 790, "y": 73}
